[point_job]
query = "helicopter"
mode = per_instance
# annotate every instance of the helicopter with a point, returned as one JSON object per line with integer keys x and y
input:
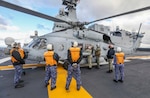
{"x": 67, "y": 29}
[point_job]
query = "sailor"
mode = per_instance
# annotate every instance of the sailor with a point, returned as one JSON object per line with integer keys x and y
{"x": 97, "y": 55}
{"x": 110, "y": 55}
{"x": 119, "y": 65}
{"x": 22, "y": 54}
{"x": 89, "y": 56}
{"x": 74, "y": 58}
{"x": 51, "y": 59}
{"x": 17, "y": 62}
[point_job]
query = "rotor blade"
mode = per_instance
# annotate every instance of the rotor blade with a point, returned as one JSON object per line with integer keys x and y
{"x": 28, "y": 11}
{"x": 130, "y": 12}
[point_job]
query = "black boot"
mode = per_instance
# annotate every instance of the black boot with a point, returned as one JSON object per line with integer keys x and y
{"x": 109, "y": 71}
{"x": 115, "y": 80}
{"x": 24, "y": 73}
{"x": 78, "y": 87}
{"x": 21, "y": 81}
{"x": 98, "y": 67}
{"x": 46, "y": 84}
{"x": 52, "y": 88}
{"x": 120, "y": 80}
{"x": 19, "y": 86}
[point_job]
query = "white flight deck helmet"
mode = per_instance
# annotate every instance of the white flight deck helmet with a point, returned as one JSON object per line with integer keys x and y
{"x": 75, "y": 44}
{"x": 49, "y": 47}
{"x": 19, "y": 45}
{"x": 14, "y": 45}
{"x": 98, "y": 45}
{"x": 118, "y": 49}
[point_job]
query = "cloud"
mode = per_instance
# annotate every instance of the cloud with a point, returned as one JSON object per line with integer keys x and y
{"x": 8, "y": 28}
{"x": 89, "y": 10}
{"x": 5, "y": 24}
{"x": 36, "y": 4}
{"x": 22, "y": 37}
{"x": 96, "y": 9}
{"x": 40, "y": 26}
{"x": 3, "y": 21}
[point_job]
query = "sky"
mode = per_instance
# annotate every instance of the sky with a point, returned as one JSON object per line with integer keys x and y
{"x": 20, "y": 26}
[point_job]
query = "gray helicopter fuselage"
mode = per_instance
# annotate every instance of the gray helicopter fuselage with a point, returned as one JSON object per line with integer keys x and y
{"x": 67, "y": 29}
{"x": 62, "y": 41}
{"x": 94, "y": 34}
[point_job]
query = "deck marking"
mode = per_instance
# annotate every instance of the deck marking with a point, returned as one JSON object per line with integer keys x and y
{"x": 60, "y": 91}
{"x": 25, "y": 66}
{"x": 4, "y": 60}
{"x": 138, "y": 57}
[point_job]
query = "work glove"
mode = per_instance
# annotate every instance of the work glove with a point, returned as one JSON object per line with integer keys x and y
{"x": 74, "y": 65}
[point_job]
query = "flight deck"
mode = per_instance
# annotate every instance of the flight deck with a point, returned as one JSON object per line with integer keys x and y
{"x": 96, "y": 83}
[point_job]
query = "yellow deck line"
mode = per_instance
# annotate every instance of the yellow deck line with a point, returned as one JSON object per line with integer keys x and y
{"x": 10, "y": 67}
{"x": 138, "y": 57}
{"x": 60, "y": 91}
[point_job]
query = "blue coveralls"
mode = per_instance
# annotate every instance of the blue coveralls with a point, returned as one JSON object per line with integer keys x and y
{"x": 77, "y": 74}
{"x": 18, "y": 65}
{"x": 119, "y": 70}
{"x": 18, "y": 73}
{"x": 74, "y": 71}
{"x": 51, "y": 70}
{"x": 51, "y": 73}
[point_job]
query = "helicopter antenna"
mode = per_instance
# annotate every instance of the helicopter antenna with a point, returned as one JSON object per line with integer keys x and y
{"x": 138, "y": 31}
{"x": 130, "y": 12}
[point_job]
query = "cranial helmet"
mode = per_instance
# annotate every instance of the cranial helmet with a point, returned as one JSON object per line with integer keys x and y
{"x": 118, "y": 49}
{"x": 19, "y": 45}
{"x": 49, "y": 47}
{"x": 75, "y": 44}
{"x": 97, "y": 45}
{"x": 14, "y": 45}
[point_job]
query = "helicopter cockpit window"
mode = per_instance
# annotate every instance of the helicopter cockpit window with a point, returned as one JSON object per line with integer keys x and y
{"x": 117, "y": 34}
{"x": 40, "y": 44}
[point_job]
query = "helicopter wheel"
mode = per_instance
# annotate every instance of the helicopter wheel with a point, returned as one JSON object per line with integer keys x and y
{"x": 65, "y": 65}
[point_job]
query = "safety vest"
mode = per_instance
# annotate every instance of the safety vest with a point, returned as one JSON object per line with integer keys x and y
{"x": 12, "y": 58}
{"x": 49, "y": 58}
{"x": 120, "y": 58}
{"x": 21, "y": 51}
{"x": 97, "y": 52}
{"x": 75, "y": 53}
